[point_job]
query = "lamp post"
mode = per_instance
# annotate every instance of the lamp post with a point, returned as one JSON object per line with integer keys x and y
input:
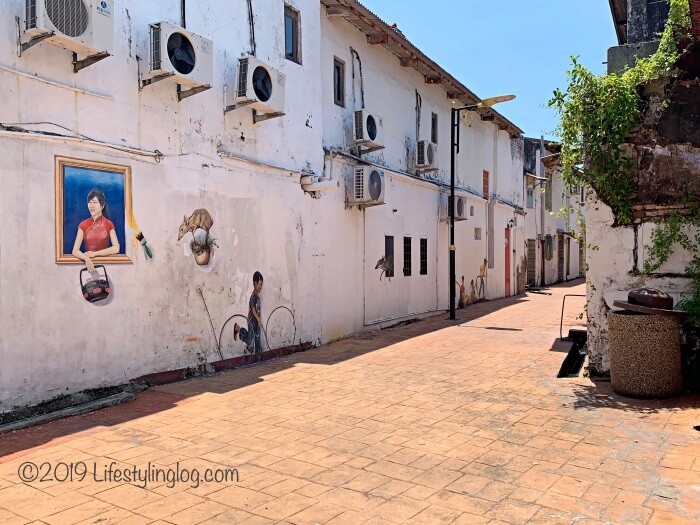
{"x": 454, "y": 149}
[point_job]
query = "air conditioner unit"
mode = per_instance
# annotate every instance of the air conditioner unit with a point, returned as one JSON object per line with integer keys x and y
{"x": 367, "y": 186}
{"x": 186, "y": 58}
{"x": 83, "y": 26}
{"x": 426, "y": 155}
{"x": 445, "y": 208}
{"x": 368, "y": 129}
{"x": 258, "y": 86}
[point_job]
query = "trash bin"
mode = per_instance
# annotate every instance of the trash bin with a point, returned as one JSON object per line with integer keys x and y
{"x": 645, "y": 354}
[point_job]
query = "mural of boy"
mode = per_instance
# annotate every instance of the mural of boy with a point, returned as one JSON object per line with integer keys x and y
{"x": 251, "y": 336}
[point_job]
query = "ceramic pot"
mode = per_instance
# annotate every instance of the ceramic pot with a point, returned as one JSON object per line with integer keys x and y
{"x": 202, "y": 258}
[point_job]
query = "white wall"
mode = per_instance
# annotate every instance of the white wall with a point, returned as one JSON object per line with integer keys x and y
{"x": 316, "y": 256}
{"x": 612, "y": 273}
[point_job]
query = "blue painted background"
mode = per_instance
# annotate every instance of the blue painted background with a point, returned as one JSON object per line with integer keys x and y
{"x": 77, "y": 183}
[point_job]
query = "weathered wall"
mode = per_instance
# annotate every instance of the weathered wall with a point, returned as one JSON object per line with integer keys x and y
{"x": 316, "y": 256}
{"x": 613, "y": 269}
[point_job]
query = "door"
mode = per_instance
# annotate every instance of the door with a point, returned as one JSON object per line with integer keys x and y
{"x": 560, "y": 257}
{"x": 531, "y": 261}
{"x": 507, "y": 259}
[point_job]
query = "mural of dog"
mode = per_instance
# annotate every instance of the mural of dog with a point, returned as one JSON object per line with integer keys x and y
{"x": 386, "y": 265}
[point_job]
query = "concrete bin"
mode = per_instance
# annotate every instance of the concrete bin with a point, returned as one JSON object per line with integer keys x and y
{"x": 645, "y": 354}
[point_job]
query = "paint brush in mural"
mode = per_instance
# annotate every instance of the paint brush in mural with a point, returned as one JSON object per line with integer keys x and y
{"x": 135, "y": 227}
{"x": 146, "y": 248}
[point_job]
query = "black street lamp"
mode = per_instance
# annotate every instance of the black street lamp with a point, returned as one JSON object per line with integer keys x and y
{"x": 454, "y": 149}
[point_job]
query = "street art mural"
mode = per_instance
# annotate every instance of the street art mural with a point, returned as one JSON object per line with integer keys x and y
{"x": 251, "y": 335}
{"x": 386, "y": 265}
{"x": 477, "y": 288}
{"x": 91, "y": 207}
{"x": 198, "y": 224}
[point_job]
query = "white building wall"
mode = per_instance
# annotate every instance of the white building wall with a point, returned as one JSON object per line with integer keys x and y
{"x": 316, "y": 256}
{"x": 155, "y": 320}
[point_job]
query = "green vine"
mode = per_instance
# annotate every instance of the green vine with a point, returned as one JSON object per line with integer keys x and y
{"x": 684, "y": 231}
{"x": 599, "y": 112}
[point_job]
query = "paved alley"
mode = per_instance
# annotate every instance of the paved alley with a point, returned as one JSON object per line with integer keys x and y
{"x": 428, "y": 423}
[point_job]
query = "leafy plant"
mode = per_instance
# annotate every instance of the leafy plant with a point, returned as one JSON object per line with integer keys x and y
{"x": 207, "y": 245}
{"x": 599, "y": 112}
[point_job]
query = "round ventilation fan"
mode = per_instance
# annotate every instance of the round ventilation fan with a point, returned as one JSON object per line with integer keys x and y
{"x": 375, "y": 185}
{"x": 262, "y": 84}
{"x": 430, "y": 154}
{"x": 70, "y": 17}
{"x": 460, "y": 207}
{"x": 371, "y": 127}
{"x": 181, "y": 53}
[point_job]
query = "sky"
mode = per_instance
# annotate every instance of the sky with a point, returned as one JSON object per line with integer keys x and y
{"x": 497, "y": 47}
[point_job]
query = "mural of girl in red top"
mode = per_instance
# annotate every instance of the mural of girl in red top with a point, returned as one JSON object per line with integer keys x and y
{"x": 97, "y": 232}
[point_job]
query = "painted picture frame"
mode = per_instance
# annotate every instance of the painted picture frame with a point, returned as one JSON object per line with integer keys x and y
{"x": 74, "y": 181}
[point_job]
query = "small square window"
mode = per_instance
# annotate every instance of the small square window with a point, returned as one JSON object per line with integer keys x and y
{"x": 424, "y": 256}
{"x": 477, "y": 234}
{"x": 292, "y": 34}
{"x": 339, "y": 82}
{"x": 434, "y": 129}
{"x": 530, "y": 198}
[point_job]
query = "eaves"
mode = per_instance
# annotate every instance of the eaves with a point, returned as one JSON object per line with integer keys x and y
{"x": 380, "y": 33}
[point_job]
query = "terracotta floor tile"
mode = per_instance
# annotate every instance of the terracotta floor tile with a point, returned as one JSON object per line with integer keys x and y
{"x": 317, "y": 513}
{"x": 513, "y": 511}
{"x": 284, "y": 506}
{"x": 570, "y": 487}
{"x": 434, "y": 515}
{"x": 400, "y": 509}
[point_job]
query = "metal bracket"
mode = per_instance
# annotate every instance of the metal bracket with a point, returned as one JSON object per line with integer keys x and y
{"x": 188, "y": 93}
{"x": 265, "y": 116}
{"x": 24, "y": 46}
{"x": 420, "y": 171}
{"x": 149, "y": 81}
{"x": 236, "y": 106}
{"x": 361, "y": 151}
{"x": 87, "y": 61}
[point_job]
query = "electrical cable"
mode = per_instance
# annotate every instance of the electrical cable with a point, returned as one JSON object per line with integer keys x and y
{"x": 156, "y": 154}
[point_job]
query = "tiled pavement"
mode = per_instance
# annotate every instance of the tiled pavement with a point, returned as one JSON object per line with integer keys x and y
{"x": 428, "y": 423}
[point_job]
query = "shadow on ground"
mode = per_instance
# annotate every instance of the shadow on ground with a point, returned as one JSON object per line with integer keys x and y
{"x": 599, "y": 394}
{"x": 162, "y": 398}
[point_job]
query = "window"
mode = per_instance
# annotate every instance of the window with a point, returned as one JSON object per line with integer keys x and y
{"x": 471, "y": 211}
{"x": 389, "y": 255}
{"x": 434, "y": 129}
{"x": 477, "y": 234}
{"x": 548, "y": 193}
{"x": 424, "y": 256}
{"x": 548, "y": 247}
{"x": 407, "y": 256}
{"x": 530, "y": 197}
{"x": 292, "y": 34}
{"x": 339, "y": 82}
{"x": 486, "y": 184}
